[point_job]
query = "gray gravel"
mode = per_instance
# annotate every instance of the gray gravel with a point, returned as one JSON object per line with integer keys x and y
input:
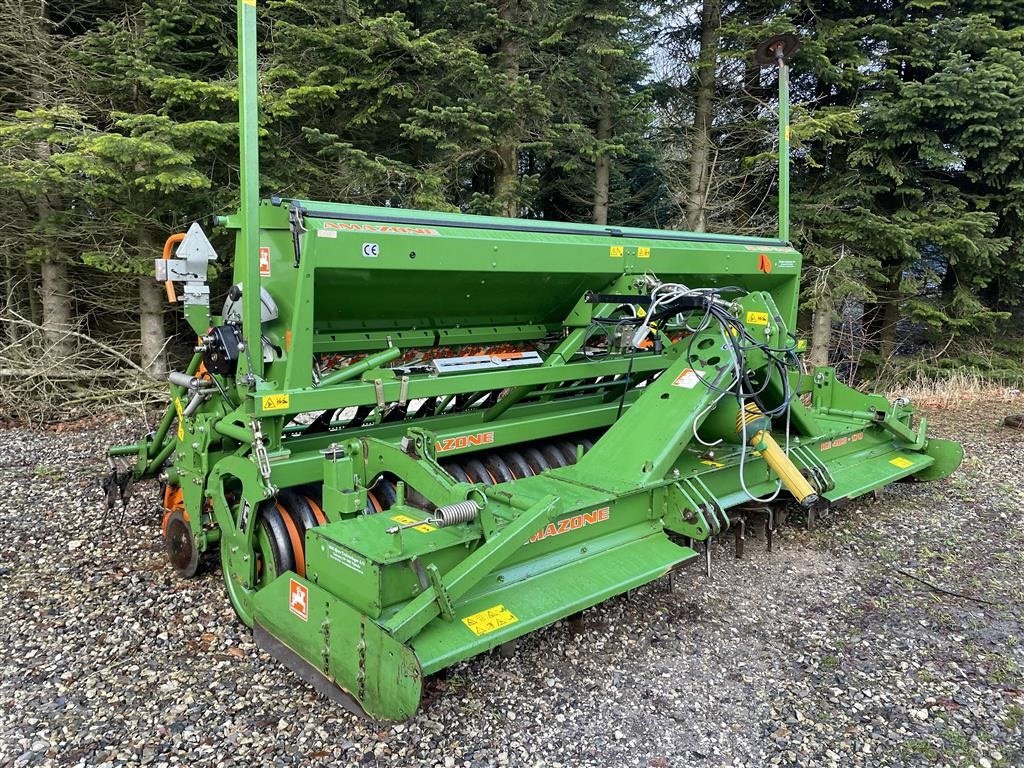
{"x": 821, "y": 653}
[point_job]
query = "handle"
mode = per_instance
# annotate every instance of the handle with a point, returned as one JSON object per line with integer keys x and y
{"x": 172, "y": 241}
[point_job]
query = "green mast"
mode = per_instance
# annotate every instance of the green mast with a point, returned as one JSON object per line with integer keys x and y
{"x": 249, "y": 180}
{"x": 783, "y": 145}
{"x": 775, "y": 52}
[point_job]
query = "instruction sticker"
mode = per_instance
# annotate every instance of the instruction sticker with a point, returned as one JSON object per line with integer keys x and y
{"x": 616, "y": 251}
{"x": 181, "y": 418}
{"x": 264, "y": 262}
{"x": 276, "y": 402}
{"x": 406, "y": 520}
{"x": 490, "y": 620}
{"x": 757, "y": 318}
{"x": 346, "y": 558}
{"x": 901, "y": 462}
{"x": 298, "y": 599}
{"x": 643, "y": 252}
{"x": 688, "y": 379}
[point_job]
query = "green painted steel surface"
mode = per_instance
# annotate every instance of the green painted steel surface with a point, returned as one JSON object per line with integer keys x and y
{"x": 379, "y": 519}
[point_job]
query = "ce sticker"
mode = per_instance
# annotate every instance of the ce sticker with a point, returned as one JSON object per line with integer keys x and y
{"x": 371, "y": 250}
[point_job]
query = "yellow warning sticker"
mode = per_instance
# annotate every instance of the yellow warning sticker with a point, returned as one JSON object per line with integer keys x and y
{"x": 643, "y": 252}
{"x": 406, "y": 520}
{"x": 181, "y": 418}
{"x": 249, "y": 2}
{"x": 489, "y": 620}
{"x": 711, "y": 463}
{"x": 616, "y": 251}
{"x": 901, "y": 462}
{"x": 757, "y": 318}
{"x": 801, "y": 345}
{"x": 276, "y": 402}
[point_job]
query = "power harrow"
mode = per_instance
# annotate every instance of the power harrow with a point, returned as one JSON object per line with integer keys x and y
{"x": 413, "y": 437}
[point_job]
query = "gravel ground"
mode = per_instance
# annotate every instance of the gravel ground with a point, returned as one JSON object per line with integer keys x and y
{"x": 826, "y": 652}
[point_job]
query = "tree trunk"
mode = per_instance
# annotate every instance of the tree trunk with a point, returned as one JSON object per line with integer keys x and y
{"x": 506, "y": 174}
{"x": 55, "y": 290}
{"x": 55, "y": 293}
{"x": 603, "y": 163}
{"x": 505, "y": 177}
{"x": 890, "y": 317}
{"x": 700, "y": 150}
{"x": 151, "y": 315}
{"x": 821, "y": 333}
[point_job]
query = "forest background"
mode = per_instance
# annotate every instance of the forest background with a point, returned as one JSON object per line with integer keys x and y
{"x": 118, "y": 126}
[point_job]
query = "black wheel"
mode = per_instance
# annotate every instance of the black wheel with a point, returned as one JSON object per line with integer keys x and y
{"x": 273, "y": 546}
{"x": 479, "y": 471}
{"x": 496, "y": 465}
{"x": 300, "y": 509}
{"x": 180, "y": 545}
{"x": 518, "y": 464}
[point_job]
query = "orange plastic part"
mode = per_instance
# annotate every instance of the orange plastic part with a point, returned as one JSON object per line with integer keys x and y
{"x": 169, "y": 244}
{"x": 293, "y": 534}
{"x": 174, "y": 499}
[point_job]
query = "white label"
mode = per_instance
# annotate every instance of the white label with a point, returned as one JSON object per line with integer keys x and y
{"x": 332, "y": 233}
{"x": 346, "y": 558}
{"x": 687, "y": 379}
{"x": 371, "y": 250}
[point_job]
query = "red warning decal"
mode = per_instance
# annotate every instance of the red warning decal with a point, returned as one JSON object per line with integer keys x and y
{"x": 298, "y": 600}
{"x": 264, "y": 262}
{"x": 764, "y": 264}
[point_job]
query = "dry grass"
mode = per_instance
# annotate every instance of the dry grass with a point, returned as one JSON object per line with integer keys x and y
{"x": 957, "y": 389}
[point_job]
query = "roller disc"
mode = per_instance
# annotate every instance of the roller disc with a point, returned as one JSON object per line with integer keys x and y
{"x": 476, "y": 468}
{"x": 536, "y": 460}
{"x": 499, "y": 470}
{"x": 295, "y": 539}
{"x": 386, "y": 492}
{"x": 517, "y": 463}
{"x": 300, "y": 510}
{"x": 180, "y": 544}
{"x": 274, "y": 547}
{"x": 568, "y": 451}
{"x": 372, "y": 504}
{"x": 318, "y": 513}
{"x": 455, "y": 470}
{"x": 553, "y": 455}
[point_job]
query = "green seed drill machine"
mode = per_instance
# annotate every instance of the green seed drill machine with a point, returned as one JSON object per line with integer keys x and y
{"x": 414, "y": 437}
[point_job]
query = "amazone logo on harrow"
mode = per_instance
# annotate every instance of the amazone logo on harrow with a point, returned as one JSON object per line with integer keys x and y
{"x": 573, "y": 523}
{"x": 463, "y": 441}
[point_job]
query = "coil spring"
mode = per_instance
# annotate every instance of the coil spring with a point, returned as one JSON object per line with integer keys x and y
{"x": 452, "y": 514}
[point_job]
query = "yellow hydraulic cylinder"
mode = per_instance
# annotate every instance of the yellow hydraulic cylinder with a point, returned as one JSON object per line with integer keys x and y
{"x": 751, "y": 424}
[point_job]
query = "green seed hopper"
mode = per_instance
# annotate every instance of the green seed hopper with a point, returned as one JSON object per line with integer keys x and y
{"x": 414, "y": 437}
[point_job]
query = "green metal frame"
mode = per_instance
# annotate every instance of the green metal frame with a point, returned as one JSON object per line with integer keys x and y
{"x": 390, "y": 597}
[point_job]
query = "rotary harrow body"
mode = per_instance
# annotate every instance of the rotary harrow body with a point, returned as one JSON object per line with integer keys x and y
{"x": 443, "y": 431}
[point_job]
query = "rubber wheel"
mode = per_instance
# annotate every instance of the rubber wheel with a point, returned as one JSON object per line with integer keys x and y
{"x": 180, "y": 544}
{"x": 300, "y": 509}
{"x": 273, "y": 545}
{"x": 479, "y": 471}
{"x": 518, "y": 464}
{"x": 498, "y": 469}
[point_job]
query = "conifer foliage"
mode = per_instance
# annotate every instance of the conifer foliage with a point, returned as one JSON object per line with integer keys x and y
{"x": 118, "y": 126}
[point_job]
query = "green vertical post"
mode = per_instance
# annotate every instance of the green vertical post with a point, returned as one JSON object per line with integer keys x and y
{"x": 249, "y": 180}
{"x": 783, "y": 145}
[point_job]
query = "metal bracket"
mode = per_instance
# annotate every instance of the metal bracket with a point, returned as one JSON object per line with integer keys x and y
{"x": 444, "y": 600}
{"x": 193, "y": 257}
{"x": 296, "y": 224}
